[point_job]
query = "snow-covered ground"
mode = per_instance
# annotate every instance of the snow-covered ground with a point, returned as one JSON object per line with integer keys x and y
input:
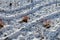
{"x": 37, "y": 11}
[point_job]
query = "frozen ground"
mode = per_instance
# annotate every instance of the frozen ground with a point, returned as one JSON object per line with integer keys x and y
{"x": 33, "y": 29}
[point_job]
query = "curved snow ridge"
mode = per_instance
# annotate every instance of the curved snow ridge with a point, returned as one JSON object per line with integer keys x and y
{"x": 33, "y": 22}
{"x": 38, "y": 2}
{"x": 23, "y": 7}
{"x": 32, "y": 11}
{"x": 44, "y": 16}
{"x": 29, "y": 6}
{"x": 12, "y": 34}
{"x": 16, "y": 33}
